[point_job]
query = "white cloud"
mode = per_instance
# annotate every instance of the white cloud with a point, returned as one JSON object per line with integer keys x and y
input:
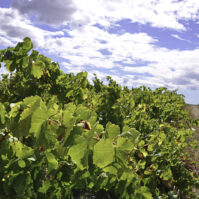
{"x": 180, "y": 38}
{"x": 82, "y": 48}
{"x": 177, "y": 37}
{"x": 159, "y": 13}
{"x": 167, "y": 67}
{"x": 5, "y": 42}
{"x": 15, "y": 27}
{"x": 54, "y": 12}
{"x": 188, "y": 10}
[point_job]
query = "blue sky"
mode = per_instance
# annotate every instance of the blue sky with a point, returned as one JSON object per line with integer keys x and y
{"x": 139, "y": 42}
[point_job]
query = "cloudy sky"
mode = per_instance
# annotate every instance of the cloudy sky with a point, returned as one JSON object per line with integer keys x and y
{"x": 137, "y": 42}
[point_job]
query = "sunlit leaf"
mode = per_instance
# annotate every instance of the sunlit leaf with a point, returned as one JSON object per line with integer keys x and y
{"x": 113, "y": 130}
{"x": 45, "y": 186}
{"x": 103, "y": 153}
{"x": 21, "y": 163}
{"x": 78, "y": 152}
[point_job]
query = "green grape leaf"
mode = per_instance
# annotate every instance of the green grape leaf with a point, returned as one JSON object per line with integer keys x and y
{"x": 30, "y": 105}
{"x": 145, "y": 193}
{"x": 22, "y": 151}
{"x": 131, "y": 134}
{"x": 99, "y": 128}
{"x": 68, "y": 119}
{"x": 122, "y": 157}
{"x": 166, "y": 174}
{"x": 39, "y": 116}
{"x": 20, "y": 183}
{"x": 9, "y": 65}
{"x": 70, "y": 107}
{"x": 78, "y": 153}
{"x": 83, "y": 113}
{"x": 37, "y": 71}
{"x": 45, "y": 186}
{"x": 113, "y": 130}
{"x": 92, "y": 120}
{"x": 111, "y": 169}
{"x": 21, "y": 128}
{"x": 103, "y": 153}
{"x": 52, "y": 103}
{"x": 124, "y": 144}
{"x": 20, "y": 115}
{"x": 21, "y": 163}
{"x": 52, "y": 162}
{"x": 27, "y": 44}
{"x": 2, "y": 113}
{"x": 25, "y": 61}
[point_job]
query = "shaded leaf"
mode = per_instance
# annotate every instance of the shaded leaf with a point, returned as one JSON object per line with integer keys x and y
{"x": 2, "y": 113}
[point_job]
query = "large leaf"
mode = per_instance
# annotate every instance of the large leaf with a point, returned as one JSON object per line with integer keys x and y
{"x": 39, "y": 116}
{"x": 103, "y": 153}
{"x": 78, "y": 153}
